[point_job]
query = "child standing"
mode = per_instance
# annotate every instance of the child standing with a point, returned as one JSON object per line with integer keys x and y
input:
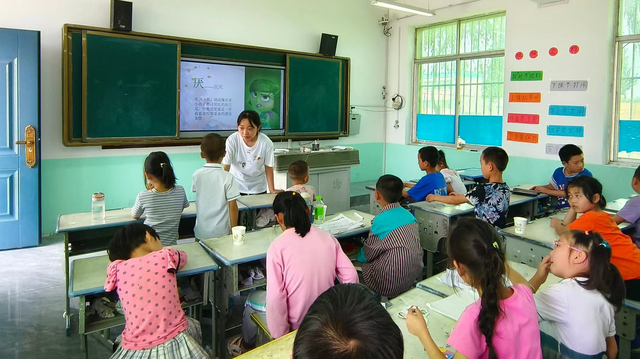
{"x": 572, "y": 160}
{"x": 503, "y": 323}
{"x": 451, "y": 177}
{"x": 299, "y": 174}
{"x": 579, "y": 312}
{"x": 585, "y": 196}
{"x": 163, "y": 201}
{"x": 432, "y": 183}
{"x": 216, "y": 192}
{"x": 391, "y": 255}
{"x": 631, "y": 210}
{"x": 144, "y": 276}
{"x": 491, "y": 200}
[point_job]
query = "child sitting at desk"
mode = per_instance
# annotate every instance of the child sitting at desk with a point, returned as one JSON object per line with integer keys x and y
{"x": 501, "y": 324}
{"x": 631, "y": 210}
{"x": 347, "y": 322}
{"x": 144, "y": 275}
{"x": 432, "y": 183}
{"x": 299, "y": 174}
{"x": 163, "y": 201}
{"x": 216, "y": 192}
{"x": 572, "y": 160}
{"x": 391, "y": 255}
{"x": 585, "y": 196}
{"x": 302, "y": 262}
{"x": 578, "y": 313}
{"x": 451, "y": 177}
{"x": 491, "y": 200}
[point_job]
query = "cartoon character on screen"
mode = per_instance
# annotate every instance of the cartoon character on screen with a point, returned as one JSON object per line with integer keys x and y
{"x": 265, "y": 99}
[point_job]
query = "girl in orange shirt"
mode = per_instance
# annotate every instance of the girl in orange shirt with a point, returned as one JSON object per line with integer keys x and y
{"x": 585, "y": 196}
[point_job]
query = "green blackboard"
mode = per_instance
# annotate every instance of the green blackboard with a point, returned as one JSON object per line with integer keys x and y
{"x": 130, "y": 87}
{"x": 316, "y": 100}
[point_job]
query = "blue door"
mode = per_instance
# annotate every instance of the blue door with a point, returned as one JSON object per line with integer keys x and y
{"x": 19, "y": 154}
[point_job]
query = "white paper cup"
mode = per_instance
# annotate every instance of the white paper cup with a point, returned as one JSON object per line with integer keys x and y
{"x": 238, "y": 235}
{"x": 520, "y": 224}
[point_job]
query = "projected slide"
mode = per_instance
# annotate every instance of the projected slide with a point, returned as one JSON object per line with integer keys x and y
{"x": 212, "y": 95}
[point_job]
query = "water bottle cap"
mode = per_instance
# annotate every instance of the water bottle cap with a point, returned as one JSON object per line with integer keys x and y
{"x": 319, "y": 198}
{"x": 98, "y": 195}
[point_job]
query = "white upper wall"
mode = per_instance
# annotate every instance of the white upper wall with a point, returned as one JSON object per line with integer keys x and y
{"x": 587, "y": 23}
{"x": 283, "y": 24}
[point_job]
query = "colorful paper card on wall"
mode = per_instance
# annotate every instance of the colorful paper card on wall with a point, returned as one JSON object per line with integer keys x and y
{"x": 525, "y": 97}
{"x": 568, "y": 131}
{"x": 522, "y": 137}
{"x": 569, "y": 85}
{"x": 529, "y": 119}
{"x": 576, "y": 111}
{"x": 554, "y": 148}
{"x": 526, "y": 75}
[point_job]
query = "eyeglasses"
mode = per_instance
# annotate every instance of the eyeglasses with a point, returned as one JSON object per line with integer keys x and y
{"x": 557, "y": 244}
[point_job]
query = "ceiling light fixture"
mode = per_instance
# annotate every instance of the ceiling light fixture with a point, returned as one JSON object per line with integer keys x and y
{"x": 403, "y": 7}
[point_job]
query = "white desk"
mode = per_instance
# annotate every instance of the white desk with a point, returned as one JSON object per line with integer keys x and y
{"x": 616, "y": 205}
{"x": 88, "y": 276}
{"x": 257, "y": 201}
{"x": 278, "y": 348}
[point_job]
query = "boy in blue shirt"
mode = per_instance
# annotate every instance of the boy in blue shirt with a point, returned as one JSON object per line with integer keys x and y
{"x": 432, "y": 183}
{"x": 572, "y": 166}
{"x": 491, "y": 199}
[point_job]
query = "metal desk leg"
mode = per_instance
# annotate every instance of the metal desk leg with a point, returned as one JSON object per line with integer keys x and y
{"x": 626, "y": 328}
{"x": 67, "y": 311}
{"x": 82, "y": 324}
{"x": 429, "y": 264}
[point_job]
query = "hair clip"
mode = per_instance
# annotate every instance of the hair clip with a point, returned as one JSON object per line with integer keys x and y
{"x": 293, "y": 193}
{"x": 586, "y": 232}
{"x": 162, "y": 164}
{"x": 605, "y": 244}
{"x": 495, "y": 245}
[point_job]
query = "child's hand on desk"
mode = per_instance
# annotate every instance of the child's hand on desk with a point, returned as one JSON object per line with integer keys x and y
{"x": 415, "y": 322}
{"x": 556, "y": 223}
{"x": 431, "y": 198}
{"x": 541, "y": 189}
{"x": 453, "y": 194}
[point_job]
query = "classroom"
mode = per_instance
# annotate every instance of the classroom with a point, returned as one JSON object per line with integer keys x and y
{"x": 341, "y": 98}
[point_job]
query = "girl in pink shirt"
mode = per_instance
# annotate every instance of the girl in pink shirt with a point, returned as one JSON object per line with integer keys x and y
{"x": 503, "y": 323}
{"x": 144, "y": 275}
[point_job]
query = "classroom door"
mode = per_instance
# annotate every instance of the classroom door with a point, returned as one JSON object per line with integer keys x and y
{"x": 19, "y": 138}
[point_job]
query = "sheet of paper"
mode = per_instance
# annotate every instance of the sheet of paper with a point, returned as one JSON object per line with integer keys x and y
{"x": 453, "y": 305}
{"x": 453, "y": 279}
{"x": 340, "y": 224}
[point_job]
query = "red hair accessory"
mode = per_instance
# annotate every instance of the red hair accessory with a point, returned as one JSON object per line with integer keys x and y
{"x": 586, "y": 232}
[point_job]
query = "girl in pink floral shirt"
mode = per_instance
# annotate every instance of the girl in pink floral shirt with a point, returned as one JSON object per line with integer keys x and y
{"x": 144, "y": 275}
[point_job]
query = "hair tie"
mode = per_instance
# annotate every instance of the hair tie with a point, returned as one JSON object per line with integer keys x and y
{"x": 293, "y": 194}
{"x": 162, "y": 164}
{"x": 605, "y": 244}
{"x": 495, "y": 245}
{"x": 586, "y": 232}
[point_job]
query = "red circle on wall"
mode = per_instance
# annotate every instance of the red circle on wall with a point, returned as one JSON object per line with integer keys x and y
{"x": 574, "y": 49}
{"x": 519, "y": 55}
{"x": 553, "y": 51}
{"x": 533, "y": 54}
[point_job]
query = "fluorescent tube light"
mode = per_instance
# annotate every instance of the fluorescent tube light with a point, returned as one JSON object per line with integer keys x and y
{"x": 403, "y": 7}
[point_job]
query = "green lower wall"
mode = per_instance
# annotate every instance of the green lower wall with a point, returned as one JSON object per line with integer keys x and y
{"x": 615, "y": 180}
{"x": 67, "y": 184}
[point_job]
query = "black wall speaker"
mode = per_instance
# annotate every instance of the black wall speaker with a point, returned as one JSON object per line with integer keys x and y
{"x": 328, "y": 44}
{"x": 121, "y": 15}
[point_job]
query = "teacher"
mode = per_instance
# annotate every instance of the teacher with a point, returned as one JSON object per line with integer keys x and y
{"x": 250, "y": 157}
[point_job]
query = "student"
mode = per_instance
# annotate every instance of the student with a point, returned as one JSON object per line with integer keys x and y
{"x": 163, "y": 201}
{"x": 250, "y": 156}
{"x": 432, "y": 183}
{"x": 144, "y": 276}
{"x": 391, "y": 255}
{"x": 347, "y": 322}
{"x": 299, "y": 174}
{"x": 631, "y": 210}
{"x": 585, "y": 196}
{"x": 579, "y": 312}
{"x": 302, "y": 263}
{"x": 491, "y": 200}
{"x": 572, "y": 160}
{"x": 501, "y": 324}
{"x": 216, "y": 192}
{"x": 451, "y": 177}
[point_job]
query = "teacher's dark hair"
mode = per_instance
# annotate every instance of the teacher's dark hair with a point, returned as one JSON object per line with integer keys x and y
{"x": 252, "y": 116}
{"x": 347, "y": 322}
{"x": 294, "y": 208}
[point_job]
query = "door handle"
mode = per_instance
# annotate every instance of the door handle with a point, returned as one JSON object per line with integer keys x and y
{"x": 30, "y": 145}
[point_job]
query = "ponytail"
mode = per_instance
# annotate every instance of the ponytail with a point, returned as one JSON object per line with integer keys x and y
{"x": 158, "y": 165}
{"x": 603, "y": 276}
{"x": 478, "y": 246}
{"x": 294, "y": 208}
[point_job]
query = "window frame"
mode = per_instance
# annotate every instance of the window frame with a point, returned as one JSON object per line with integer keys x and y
{"x": 619, "y": 42}
{"x": 458, "y": 58}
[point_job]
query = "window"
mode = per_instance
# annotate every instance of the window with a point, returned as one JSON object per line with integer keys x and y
{"x": 459, "y": 81}
{"x": 626, "y": 119}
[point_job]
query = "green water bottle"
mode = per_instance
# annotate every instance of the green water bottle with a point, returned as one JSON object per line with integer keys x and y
{"x": 319, "y": 209}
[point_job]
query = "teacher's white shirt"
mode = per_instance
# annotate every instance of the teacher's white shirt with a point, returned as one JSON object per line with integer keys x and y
{"x": 247, "y": 163}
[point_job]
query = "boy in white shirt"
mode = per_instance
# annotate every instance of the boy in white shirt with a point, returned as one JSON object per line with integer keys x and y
{"x": 216, "y": 192}
{"x": 299, "y": 174}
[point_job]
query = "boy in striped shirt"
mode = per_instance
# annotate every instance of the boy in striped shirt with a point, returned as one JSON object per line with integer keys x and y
{"x": 391, "y": 255}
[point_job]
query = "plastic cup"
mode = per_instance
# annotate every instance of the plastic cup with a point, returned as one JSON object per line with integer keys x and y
{"x": 238, "y": 235}
{"x": 520, "y": 224}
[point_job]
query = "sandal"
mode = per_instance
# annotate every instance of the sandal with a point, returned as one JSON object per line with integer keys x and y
{"x": 235, "y": 347}
{"x": 257, "y": 274}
